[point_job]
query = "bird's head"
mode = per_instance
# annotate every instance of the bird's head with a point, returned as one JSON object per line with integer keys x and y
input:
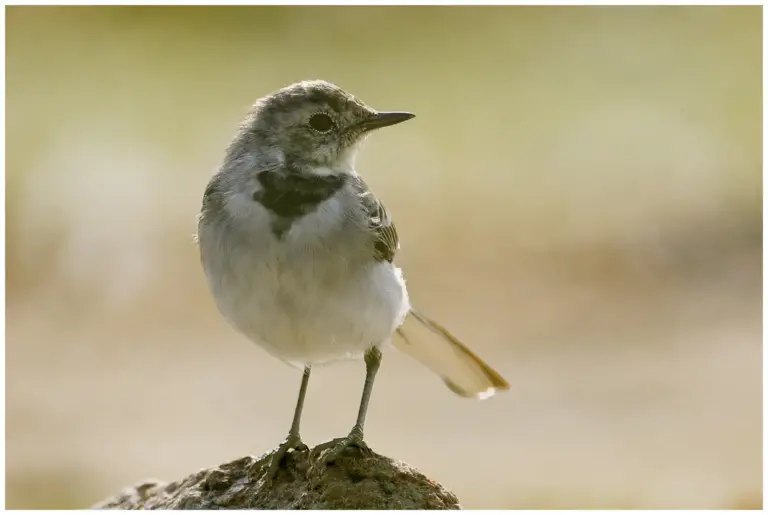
{"x": 312, "y": 126}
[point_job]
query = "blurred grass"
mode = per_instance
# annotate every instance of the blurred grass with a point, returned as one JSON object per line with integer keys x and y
{"x": 579, "y": 197}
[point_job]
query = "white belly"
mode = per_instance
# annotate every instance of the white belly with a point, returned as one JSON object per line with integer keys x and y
{"x": 300, "y": 321}
{"x": 304, "y": 300}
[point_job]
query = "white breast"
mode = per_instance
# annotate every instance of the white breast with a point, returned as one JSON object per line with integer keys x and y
{"x": 314, "y": 296}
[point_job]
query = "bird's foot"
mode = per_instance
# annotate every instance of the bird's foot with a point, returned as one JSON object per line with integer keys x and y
{"x": 338, "y": 446}
{"x": 293, "y": 441}
{"x": 329, "y": 452}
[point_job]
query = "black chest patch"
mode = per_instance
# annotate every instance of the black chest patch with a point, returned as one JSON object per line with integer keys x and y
{"x": 290, "y": 196}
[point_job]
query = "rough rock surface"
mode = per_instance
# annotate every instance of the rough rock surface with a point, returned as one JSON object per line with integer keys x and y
{"x": 357, "y": 480}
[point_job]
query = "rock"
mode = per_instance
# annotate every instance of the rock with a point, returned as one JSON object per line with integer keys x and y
{"x": 357, "y": 480}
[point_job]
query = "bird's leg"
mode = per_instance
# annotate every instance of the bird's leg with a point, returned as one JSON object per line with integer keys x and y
{"x": 293, "y": 441}
{"x": 355, "y": 437}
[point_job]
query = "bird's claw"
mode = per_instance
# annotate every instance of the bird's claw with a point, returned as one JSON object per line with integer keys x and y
{"x": 338, "y": 446}
{"x": 291, "y": 442}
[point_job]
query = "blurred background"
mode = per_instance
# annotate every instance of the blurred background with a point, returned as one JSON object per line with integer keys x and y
{"x": 579, "y": 199}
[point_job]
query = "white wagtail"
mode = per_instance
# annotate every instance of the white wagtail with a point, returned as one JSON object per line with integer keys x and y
{"x": 299, "y": 253}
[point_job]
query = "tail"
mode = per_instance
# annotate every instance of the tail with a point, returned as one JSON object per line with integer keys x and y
{"x": 461, "y": 370}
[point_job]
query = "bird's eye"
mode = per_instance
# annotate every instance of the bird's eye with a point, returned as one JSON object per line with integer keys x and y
{"x": 321, "y": 122}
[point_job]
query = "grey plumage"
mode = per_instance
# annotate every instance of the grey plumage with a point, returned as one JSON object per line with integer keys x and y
{"x": 299, "y": 253}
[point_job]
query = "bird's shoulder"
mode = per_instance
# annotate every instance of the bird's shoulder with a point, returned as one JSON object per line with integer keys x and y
{"x": 213, "y": 199}
{"x": 380, "y": 223}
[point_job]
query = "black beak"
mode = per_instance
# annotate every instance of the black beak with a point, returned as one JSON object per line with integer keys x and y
{"x": 385, "y": 119}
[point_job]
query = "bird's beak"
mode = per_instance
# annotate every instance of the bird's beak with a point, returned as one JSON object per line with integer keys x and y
{"x": 385, "y": 119}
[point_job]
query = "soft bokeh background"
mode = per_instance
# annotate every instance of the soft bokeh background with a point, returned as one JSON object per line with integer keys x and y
{"x": 579, "y": 198}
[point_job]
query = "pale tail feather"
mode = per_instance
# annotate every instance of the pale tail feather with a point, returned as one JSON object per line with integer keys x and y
{"x": 462, "y": 371}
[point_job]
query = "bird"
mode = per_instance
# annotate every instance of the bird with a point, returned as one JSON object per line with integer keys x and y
{"x": 299, "y": 254}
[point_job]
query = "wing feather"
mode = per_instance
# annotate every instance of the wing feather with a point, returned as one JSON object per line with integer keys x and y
{"x": 385, "y": 240}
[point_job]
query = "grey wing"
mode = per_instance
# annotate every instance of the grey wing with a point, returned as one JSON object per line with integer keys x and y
{"x": 385, "y": 241}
